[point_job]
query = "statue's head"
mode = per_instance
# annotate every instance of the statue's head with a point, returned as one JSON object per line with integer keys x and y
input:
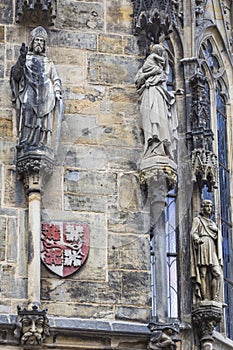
{"x": 206, "y": 207}
{"x": 32, "y": 326}
{"x": 38, "y": 40}
{"x": 158, "y": 49}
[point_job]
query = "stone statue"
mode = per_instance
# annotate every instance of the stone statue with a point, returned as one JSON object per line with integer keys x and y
{"x": 157, "y": 105}
{"x": 206, "y": 255}
{"x": 32, "y": 326}
{"x": 35, "y": 89}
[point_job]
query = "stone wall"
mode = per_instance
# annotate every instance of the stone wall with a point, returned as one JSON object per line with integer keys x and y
{"x": 95, "y": 179}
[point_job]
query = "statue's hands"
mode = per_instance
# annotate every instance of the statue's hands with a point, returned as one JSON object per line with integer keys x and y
{"x": 58, "y": 95}
{"x": 23, "y": 51}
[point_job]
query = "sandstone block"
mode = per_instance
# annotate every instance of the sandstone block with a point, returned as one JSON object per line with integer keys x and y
{"x": 6, "y": 11}
{"x": 123, "y": 158}
{"x": 12, "y": 234}
{"x": 130, "y": 196}
{"x": 137, "y": 314}
{"x": 82, "y": 157}
{"x": 2, "y": 53}
{"x": 130, "y": 252}
{"x": 119, "y": 16}
{"x": 2, "y": 34}
{"x": 136, "y": 288}
{"x": 110, "y": 43}
{"x": 81, "y": 15}
{"x": 2, "y": 237}
{"x": 102, "y": 69}
{"x": 83, "y": 41}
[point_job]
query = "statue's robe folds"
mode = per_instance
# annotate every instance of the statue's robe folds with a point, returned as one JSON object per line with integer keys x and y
{"x": 157, "y": 108}
{"x": 33, "y": 86}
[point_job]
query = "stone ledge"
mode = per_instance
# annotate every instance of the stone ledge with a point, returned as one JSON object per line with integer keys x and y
{"x": 73, "y": 325}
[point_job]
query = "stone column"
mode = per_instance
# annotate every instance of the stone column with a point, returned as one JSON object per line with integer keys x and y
{"x": 160, "y": 178}
{"x": 33, "y": 167}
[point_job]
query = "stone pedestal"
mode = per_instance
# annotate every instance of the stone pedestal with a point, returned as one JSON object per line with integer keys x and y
{"x": 206, "y": 315}
{"x": 33, "y": 166}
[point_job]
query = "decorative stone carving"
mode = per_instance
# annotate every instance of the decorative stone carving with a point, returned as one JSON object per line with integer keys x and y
{"x": 64, "y": 246}
{"x": 36, "y": 91}
{"x": 32, "y": 326}
{"x": 36, "y": 11}
{"x": 206, "y": 255}
{"x": 205, "y": 168}
{"x": 200, "y": 138}
{"x": 206, "y": 315}
{"x": 157, "y": 106}
{"x": 155, "y": 17}
{"x": 200, "y": 10}
{"x": 164, "y": 336}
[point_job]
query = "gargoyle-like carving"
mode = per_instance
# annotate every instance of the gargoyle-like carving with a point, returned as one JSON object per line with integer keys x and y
{"x": 200, "y": 10}
{"x": 164, "y": 336}
{"x": 32, "y": 326}
{"x": 206, "y": 255}
{"x": 36, "y": 11}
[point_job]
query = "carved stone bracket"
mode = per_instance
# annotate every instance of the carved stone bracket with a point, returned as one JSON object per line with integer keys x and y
{"x": 164, "y": 335}
{"x": 36, "y": 11}
{"x": 34, "y": 166}
{"x": 32, "y": 326}
{"x": 205, "y": 168}
{"x": 206, "y": 315}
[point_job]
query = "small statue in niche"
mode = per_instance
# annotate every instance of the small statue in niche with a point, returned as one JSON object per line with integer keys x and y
{"x": 206, "y": 255}
{"x": 35, "y": 89}
{"x": 157, "y": 105}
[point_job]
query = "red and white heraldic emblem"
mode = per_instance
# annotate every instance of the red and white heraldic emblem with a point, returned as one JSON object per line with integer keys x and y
{"x": 64, "y": 246}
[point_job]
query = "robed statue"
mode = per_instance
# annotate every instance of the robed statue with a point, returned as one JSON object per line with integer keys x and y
{"x": 206, "y": 255}
{"x": 36, "y": 89}
{"x": 157, "y": 105}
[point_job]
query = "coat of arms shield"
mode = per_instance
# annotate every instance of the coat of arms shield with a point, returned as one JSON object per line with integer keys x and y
{"x": 64, "y": 246}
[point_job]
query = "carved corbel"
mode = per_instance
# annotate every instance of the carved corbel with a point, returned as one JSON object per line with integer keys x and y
{"x": 164, "y": 336}
{"x": 36, "y": 11}
{"x": 32, "y": 326}
{"x": 206, "y": 315}
{"x": 200, "y": 10}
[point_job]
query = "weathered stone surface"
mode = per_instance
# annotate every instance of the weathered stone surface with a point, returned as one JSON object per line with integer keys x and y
{"x": 85, "y": 130}
{"x": 13, "y": 33}
{"x": 12, "y": 234}
{"x": 130, "y": 252}
{"x": 85, "y": 100}
{"x": 6, "y": 128}
{"x": 66, "y": 56}
{"x": 52, "y": 197}
{"x": 134, "y": 45}
{"x": 6, "y": 11}
{"x": 83, "y": 41}
{"x": 2, "y": 53}
{"x": 79, "y": 310}
{"x": 11, "y": 287}
{"x": 71, "y": 74}
{"x": 2, "y": 237}
{"x": 133, "y": 313}
{"x": 22, "y": 259}
{"x": 5, "y": 91}
{"x": 96, "y": 204}
{"x": 82, "y": 157}
{"x": 123, "y": 221}
{"x": 84, "y": 182}
{"x": 14, "y": 193}
{"x": 110, "y": 43}
{"x": 123, "y": 158}
{"x": 136, "y": 288}
{"x": 81, "y": 15}
{"x": 2, "y": 34}
{"x": 130, "y": 196}
{"x": 119, "y": 16}
{"x": 102, "y": 69}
